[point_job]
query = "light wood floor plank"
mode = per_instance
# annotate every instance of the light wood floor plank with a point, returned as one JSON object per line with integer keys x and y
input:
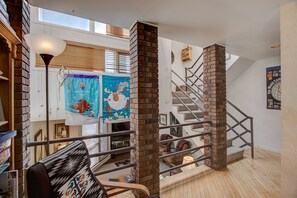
{"x": 247, "y": 178}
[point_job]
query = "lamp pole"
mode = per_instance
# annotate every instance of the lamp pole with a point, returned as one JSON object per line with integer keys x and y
{"x": 46, "y": 59}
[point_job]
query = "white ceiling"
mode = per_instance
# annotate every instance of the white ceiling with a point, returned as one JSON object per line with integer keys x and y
{"x": 246, "y": 27}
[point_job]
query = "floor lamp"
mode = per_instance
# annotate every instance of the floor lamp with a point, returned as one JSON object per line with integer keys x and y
{"x": 47, "y": 47}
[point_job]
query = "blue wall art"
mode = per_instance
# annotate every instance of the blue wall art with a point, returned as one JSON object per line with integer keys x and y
{"x": 82, "y": 99}
{"x": 116, "y": 98}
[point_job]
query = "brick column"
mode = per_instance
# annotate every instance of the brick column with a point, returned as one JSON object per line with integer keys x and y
{"x": 214, "y": 76}
{"x": 145, "y": 105}
{"x": 19, "y": 18}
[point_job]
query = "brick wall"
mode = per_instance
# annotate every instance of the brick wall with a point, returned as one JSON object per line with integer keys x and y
{"x": 145, "y": 105}
{"x": 19, "y": 18}
{"x": 214, "y": 76}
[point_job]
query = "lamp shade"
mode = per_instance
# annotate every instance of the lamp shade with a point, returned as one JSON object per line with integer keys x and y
{"x": 45, "y": 44}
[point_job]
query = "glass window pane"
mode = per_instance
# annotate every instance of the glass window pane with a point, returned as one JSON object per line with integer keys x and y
{"x": 66, "y": 20}
{"x": 100, "y": 28}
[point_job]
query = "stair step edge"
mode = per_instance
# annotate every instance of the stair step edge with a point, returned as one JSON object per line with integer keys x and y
{"x": 232, "y": 150}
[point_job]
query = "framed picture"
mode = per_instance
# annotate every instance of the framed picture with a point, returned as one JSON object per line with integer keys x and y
{"x": 61, "y": 131}
{"x": 176, "y": 131}
{"x": 273, "y": 87}
{"x": 163, "y": 119}
{"x": 38, "y": 150}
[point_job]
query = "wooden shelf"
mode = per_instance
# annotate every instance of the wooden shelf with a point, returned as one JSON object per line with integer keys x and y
{"x": 3, "y": 123}
{"x": 3, "y": 78}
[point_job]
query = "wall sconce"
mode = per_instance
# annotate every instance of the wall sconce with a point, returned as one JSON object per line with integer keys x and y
{"x": 47, "y": 47}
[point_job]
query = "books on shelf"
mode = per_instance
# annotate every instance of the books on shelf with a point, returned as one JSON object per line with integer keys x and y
{"x": 9, "y": 184}
{"x": 5, "y": 144}
{"x": 4, "y": 166}
{"x": 4, "y": 155}
{"x": 6, "y": 135}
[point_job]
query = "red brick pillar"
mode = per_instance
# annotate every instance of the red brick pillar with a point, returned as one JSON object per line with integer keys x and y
{"x": 145, "y": 105}
{"x": 214, "y": 76}
{"x": 19, "y": 18}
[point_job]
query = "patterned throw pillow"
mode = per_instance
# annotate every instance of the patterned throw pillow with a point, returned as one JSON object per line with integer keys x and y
{"x": 70, "y": 175}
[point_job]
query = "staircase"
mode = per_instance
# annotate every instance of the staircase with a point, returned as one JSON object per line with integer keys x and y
{"x": 187, "y": 101}
{"x": 233, "y": 153}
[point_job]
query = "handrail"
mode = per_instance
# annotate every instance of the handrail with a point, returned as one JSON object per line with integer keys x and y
{"x": 186, "y": 106}
{"x": 186, "y": 95}
{"x": 113, "y": 151}
{"x": 39, "y": 143}
{"x": 183, "y": 138}
{"x": 190, "y": 83}
{"x": 192, "y": 90}
{"x": 186, "y": 124}
{"x": 195, "y": 70}
{"x": 184, "y": 151}
{"x": 196, "y": 61}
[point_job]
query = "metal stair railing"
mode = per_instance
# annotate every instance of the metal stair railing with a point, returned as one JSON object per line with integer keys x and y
{"x": 230, "y": 128}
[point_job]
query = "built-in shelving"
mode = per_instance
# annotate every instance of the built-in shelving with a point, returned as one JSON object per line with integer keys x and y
{"x": 8, "y": 42}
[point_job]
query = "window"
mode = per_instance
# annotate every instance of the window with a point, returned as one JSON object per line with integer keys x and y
{"x": 117, "y": 62}
{"x": 100, "y": 28}
{"x": 66, "y": 20}
{"x": 110, "y": 61}
{"x": 124, "y": 63}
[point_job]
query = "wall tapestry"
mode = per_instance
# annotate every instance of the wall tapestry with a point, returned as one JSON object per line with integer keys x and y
{"x": 116, "y": 98}
{"x": 82, "y": 101}
{"x": 273, "y": 79}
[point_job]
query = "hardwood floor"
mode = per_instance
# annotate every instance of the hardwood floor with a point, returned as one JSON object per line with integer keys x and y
{"x": 259, "y": 177}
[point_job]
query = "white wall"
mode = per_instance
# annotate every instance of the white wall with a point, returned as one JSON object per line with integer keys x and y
{"x": 178, "y": 65}
{"x": 165, "y": 99}
{"x": 248, "y": 92}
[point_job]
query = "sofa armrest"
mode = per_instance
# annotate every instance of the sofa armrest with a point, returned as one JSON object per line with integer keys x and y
{"x": 122, "y": 187}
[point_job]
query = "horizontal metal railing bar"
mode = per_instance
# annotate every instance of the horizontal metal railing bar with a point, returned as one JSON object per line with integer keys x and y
{"x": 30, "y": 144}
{"x": 182, "y": 138}
{"x": 114, "y": 169}
{"x": 184, "y": 151}
{"x": 182, "y": 165}
{"x": 187, "y": 124}
{"x": 114, "y": 151}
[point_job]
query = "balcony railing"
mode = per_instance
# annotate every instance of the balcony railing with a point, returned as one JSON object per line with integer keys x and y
{"x": 186, "y": 151}
{"x": 129, "y": 148}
